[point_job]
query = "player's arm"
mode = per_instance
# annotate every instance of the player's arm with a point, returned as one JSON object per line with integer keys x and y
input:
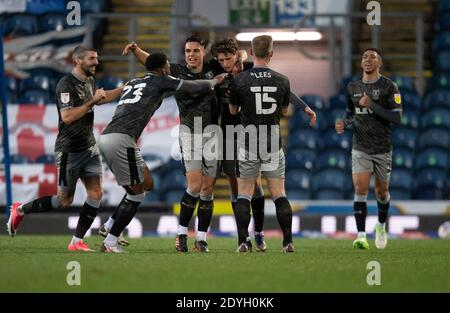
{"x": 298, "y": 102}
{"x": 234, "y": 109}
{"x": 200, "y": 85}
{"x": 394, "y": 113}
{"x": 70, "y": 114}
{"x": 348, "y": 117}
{"x": 111, "y": 95}
{"x": 140, "y": 54}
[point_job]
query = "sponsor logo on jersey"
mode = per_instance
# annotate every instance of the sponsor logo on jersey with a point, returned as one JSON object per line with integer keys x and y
{"x": 376, "y": 94}
{"x": 397, "y": 98}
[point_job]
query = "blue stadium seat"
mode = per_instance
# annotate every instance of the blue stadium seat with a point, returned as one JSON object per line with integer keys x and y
{"x": 329, "y": 194}
{"x": 410, "y": 100}
{"x": 19, "y": 159}
{"x": 12, "y": 84}
{"x": 401, "y": 178}
{"x": 304, "y": 138}
{"x": 403, "y": 158}
{"x": 404, "y": 137}
{"x": 316, "y": 102}
{"x": 38, "y": 82}
{"x": 333, "y": 140}
{"x": 46, "y": 159}
{"x": 338, "y": 101}
{"x": 336, "y": 179}
{"x": 298, "y": 179}
{"x": 441, "y": 41}
{"x": 438, "y": 137}
{"x": 436, "y": 117}
{"x": 437, "y": 98}
{"x": 345, "y": 81}
{"x": 173, "y": 180}
{"x": 18, "y": 25}
{"x": 48, "y": 72}
{"x": 399, "y": 194}
{"x": 438, "y": 81}
{"x": 89, "y": 6}
{"x": 301, "y": 120}
{"x": 300, "y": 159}
{"x": 430, "y": 184}
{"x": 52, "y": 22}
{"x": 35, "y": 97}
{"x": 410, "y": 118}
{"x": 443, "y": 22}
{"x": 442, "y": 61}
{"x": 173, "y": 196}
{"x": 333, "y": 158}
{"x": 295, "y": 194}
{"x": 38, "y": 7}
{"x": 11, "y": 96}
{"x": 152, "y": 196}
{"x": 432, "y": 158}
{"x": 405, "y": 83}
{"x": 443, "y": 6}
{"x": 109, "y": 82}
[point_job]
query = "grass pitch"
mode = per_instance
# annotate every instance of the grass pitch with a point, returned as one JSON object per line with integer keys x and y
{"x": 38, "y": 264}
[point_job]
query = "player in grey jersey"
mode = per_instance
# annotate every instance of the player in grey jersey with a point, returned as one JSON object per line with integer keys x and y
{"x": 118, "y": 143}
{"x": 76, "y": 152}
{"x": 374, "y": 102}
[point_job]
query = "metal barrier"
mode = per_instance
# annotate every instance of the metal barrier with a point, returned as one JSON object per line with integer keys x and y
{"x": 347, "y": 57}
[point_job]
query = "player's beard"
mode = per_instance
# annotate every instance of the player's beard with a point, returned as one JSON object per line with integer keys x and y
{"x": 87, "y": 70}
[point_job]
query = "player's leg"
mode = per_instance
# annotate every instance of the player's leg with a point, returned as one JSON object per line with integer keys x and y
{"x": 246, "y": 185}
{"x": 204, "y": 213}
{"x": 382, "y": 170}
{"x": 229, "y": 168}
{"x": 258, "y": 214}
{"x": 362, "y": 168}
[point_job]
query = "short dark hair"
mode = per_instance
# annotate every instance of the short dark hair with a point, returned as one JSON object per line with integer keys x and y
{"x": 225, "y": 45}
{"x": 262, "y": 46}
{"x": 80, "y": 51}
{"x": 194, "y": 38}
{"x": 372, "y": 49}
{"x": 155, "y": 61}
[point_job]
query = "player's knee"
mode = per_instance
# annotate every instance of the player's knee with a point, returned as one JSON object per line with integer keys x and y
{"x": 361, "y": 190}
{"x": 95, "y": 194}
{"x": 382, "y": 194}
{"x": 195, "y": 187}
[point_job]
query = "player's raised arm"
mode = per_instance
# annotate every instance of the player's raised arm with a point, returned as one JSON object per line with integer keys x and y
{"x": 111, "y": 95}
{"x": 201, "y": 85}
{"x": 140, "y": 54}
{"x": 71, "y": 114}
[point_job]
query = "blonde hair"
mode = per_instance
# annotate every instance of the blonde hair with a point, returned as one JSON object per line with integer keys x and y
{"x": 262, "y": 46}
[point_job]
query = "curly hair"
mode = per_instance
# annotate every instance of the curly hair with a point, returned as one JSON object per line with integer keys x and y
{"x": 225, "y": 45}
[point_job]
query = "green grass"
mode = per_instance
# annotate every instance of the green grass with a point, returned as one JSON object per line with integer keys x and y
{"x": 38, "y": 264}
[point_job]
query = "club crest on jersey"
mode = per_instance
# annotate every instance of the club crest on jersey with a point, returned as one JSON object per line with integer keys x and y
{"x": 376, "y": 94}
{"x": 65, "y": 97}
{"x": 397, "y": 98}
{"x": 209, "y": 75}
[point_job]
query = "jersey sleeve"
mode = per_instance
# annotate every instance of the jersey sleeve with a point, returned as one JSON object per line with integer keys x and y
{"x": 64, "y": 97}
{"x": 174, "y": 69}
{"x": 394, "y": 98}
{"x": 171, "y": 83}
{"x": 287, "y": 94}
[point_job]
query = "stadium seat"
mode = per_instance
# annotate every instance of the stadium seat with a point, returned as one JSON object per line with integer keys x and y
{"x": 89, "y": 6}
{"x": 430, "y": 184}
{"x": 52, "y": 22}
{"x": 173, "y": 180}
{"x": 301, "y": 120}
{"x": 19, "y": 159}
{"x": 432, "y": 158}
{"x": 404, "y": 137}
{"x": 438, "y": 98}
{"x": 399, "y": 194}
{"x": 403, "y": 158}
{"x": 46, "y": 159}
{"x": 443, "y": 22}
{"x": 109, "y": 82}
{"x": 300, "y": 159}
{"x": 304, "y": 138}
{"x": 12, "y": 84}
{"x": 443, "y": 6}
{"x": 338, "y": 101}
{"x": 336, "y": 179}
{"x": 405, "y": 83}
{"x": 152, "y": 196}
{"x": 333, "y": 158}
{"x": 335, "y": 114}
{"x": 438, "y": 81}
{"x": 441, "y": 41}
{"x": 173, "y": 196}
{"x": 39, "y": 7}
{"x": 438, "y": 137}
{"x": 410, "y": 117}
{"x": 38, "y": 82}
{"x": 11, "y": 96}
{"x": 410, "y": 100}
{"x": 333, "y": 140}
{"x": 35, "y": 97}
{"x": 329, "y": 194}
{"x": 436, "y": 117}
{"x": 18, "y": 25}
{"x": 345, "y": 81}
{"x": 442, "y": 61}
{"x": 298, "y": 179}
{"x": 315, "y": 102}
{"x": 295, "y": 194}
{"x": 401, "y": 178}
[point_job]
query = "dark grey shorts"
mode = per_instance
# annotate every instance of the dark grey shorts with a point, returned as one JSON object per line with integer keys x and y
{"x": 379, "y": 164}
{"x": 74, "y": 165}
{"x": 123, "y": 157}
{"x": 271, "y": 167}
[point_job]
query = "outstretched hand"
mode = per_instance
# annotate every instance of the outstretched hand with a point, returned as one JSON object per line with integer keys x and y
{"x": 312, "y": 116}
{"x": 129, "y": 47}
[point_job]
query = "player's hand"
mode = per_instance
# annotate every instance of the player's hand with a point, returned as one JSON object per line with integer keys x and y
{"x": 339, "y": 126}
{"x": 221, "y": 77}
{"x": 312, "y": 116}
{"x": 365, "y": 101}
{"x": 99, "y": 95}
{"x": 129, "y": 47}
